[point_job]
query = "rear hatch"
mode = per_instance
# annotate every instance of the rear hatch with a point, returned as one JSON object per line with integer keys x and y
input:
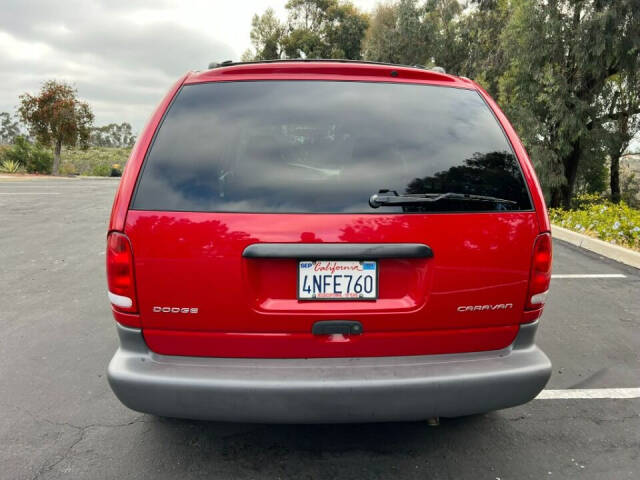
{"x": 240, "y": 175}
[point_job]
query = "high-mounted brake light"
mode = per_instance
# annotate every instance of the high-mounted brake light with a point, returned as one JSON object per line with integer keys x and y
{"x": 120, "y": 278}
{"x": 540, "y": 275}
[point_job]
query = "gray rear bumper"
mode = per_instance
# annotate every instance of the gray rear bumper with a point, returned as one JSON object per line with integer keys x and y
{"x": 327, "y": 390}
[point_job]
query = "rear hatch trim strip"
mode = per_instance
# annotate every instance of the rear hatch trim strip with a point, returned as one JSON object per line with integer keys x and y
{"x": 337, "y": 251}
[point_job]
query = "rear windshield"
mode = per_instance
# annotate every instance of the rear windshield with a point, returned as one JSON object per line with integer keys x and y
{"x": 319, "y": 146}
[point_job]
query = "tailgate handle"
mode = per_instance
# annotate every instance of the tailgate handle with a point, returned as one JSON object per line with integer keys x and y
{"x": 333, "y": 327}
{"x": 338, "y": 251}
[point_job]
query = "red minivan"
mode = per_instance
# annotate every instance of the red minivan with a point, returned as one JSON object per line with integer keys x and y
{"x": 327, "y": 241}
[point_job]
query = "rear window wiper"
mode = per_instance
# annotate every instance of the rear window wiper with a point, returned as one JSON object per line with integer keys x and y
{"x": 392, "y": 198}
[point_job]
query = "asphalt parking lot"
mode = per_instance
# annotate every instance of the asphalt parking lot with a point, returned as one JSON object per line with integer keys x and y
{"x": 59, "y": 419}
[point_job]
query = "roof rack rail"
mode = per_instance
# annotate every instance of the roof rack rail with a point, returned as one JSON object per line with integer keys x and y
{"x": 228, "y": 63}
{"x": 220, "y": 64}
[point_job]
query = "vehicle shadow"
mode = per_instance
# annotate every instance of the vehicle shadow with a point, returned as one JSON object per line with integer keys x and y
{"x": 320, "y": 451}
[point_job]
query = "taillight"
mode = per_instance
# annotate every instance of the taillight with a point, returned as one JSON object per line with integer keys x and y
{"x": 540, "y": 275}
{"x": 120, "y": 279}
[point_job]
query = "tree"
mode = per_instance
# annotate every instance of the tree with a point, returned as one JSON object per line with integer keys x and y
{"x": 443, "y": 20}
{"x": 416, "y": 33}
{"x": 622, "y": 99}
{"x": 314, "y": 29}
{"x": 113, "y": 135}
{"x": 324, "y": 29}
{"x": 565, "y": 71}
{"x": 9, "y": 129}
{"x": 56, "y": 117}
{"x": 479, "y": 54}
{"x": 266, "y": 36}
{"x": 345, "y": 30}
{"x": 398, "y": 35}
{"x": 561, "y": 54}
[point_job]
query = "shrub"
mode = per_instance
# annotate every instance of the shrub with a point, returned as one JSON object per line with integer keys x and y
{"x": 19, "y": 151}
{"x": 595, "y": 216}
{"x": 586, "y": 200}
{"x": 40, "y": 161}
{"x": 95, "y": 161}
{"x": 101, "y": 171}
{"x": 34, "y": 158}
{"x": 10, "y": 166}
{"x": 3, "y": 150}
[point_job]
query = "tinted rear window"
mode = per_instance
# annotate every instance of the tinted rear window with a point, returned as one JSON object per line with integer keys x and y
{"x": 317, "y": 146}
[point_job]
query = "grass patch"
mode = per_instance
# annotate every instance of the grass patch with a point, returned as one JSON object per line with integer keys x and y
{"x": 597, "y": 217}
{"x": 98, "y": 161}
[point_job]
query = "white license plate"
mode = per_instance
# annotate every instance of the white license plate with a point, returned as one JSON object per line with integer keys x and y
{"x": 337, "y": 280}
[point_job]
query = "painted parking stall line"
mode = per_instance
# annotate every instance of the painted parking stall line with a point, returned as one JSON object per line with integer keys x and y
{"x": 589, "y": 275}
{"x": 589, "y": 393}
{"x": 29, "y": 193}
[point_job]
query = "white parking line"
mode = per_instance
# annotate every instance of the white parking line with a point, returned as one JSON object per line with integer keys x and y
{"x": 589, "y": 275}
{"x": 589, "y": 393}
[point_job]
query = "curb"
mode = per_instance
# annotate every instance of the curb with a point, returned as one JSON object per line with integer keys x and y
{"x": 606, "y": 249}
{"x": 24, "y": 178}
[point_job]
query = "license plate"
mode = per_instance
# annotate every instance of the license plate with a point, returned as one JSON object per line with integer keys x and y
{"x": 337, "y": 280}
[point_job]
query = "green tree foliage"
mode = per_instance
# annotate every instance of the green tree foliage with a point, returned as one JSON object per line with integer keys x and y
{"x": 410, "y": 32}
{"x": 562, "y": 54}
{"x": 398, "y": 35}
{"x": 9, "y": 128}
{"x": 113, "y": 135}
{"x": 479, "y": 54}
{"x": 621, "y": 98}
{"x": 56, "y": 117}
{"x": 564, "y": 71}
{"x": 314, "y": 29}
{"x": 344, "y": 29}
{"x": 267, "y": 33}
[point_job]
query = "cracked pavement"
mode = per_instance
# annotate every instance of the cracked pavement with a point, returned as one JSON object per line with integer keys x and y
{"x": 59, "y": 419}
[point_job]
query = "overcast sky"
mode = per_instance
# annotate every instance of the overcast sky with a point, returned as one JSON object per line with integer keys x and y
{"x": 121, "y": 55}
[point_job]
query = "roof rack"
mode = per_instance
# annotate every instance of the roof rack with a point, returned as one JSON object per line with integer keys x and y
{"x": 220, "y": 64}
{"x": 228, "y": 63}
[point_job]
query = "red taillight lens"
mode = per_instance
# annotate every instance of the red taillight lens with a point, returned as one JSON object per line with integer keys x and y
{"x": 120, "y": 278}
{"x": 540, "y": 272}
